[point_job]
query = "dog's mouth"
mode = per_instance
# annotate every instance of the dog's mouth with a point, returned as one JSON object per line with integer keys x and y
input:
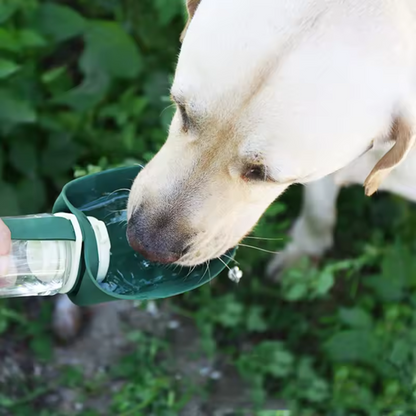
{"x": 166, "y": 242}
{"x": 198, "y": 256}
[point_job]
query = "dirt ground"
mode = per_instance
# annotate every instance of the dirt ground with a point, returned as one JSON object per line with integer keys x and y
{"x": 104, "y": 341}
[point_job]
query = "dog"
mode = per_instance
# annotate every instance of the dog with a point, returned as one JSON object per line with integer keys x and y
{"x": 274, "y": 93}
{"x": 269, "y": 94}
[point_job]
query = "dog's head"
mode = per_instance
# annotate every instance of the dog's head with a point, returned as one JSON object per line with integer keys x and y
{"x": 268, "y": 94}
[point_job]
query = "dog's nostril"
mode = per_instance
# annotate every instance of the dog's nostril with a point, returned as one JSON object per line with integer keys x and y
{"x": 154, "y": 247}
{"x": 154, "y": 256}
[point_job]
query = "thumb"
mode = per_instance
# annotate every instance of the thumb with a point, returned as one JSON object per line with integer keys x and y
{"x": 5, "y": 239}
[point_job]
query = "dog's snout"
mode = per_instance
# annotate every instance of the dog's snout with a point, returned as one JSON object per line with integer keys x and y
{"x": 159, "y": 240}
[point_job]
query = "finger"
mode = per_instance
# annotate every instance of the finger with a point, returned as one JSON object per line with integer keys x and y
{"x": 8, "y": 273}
{"x": 5, "y": 239}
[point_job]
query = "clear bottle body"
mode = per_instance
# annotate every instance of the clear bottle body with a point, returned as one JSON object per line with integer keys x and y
{"x": 36, "y": 268}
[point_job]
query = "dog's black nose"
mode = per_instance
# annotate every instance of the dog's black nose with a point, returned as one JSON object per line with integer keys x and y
{"x": 158, "y": 240}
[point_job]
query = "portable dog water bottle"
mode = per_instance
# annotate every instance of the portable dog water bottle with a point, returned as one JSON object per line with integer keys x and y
{"x": 82, "y": 249}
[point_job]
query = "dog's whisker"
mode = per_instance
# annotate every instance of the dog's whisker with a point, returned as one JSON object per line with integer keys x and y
{"x": 167, "y": 108}
{"x": 202, "y": 277}
{"x": 119, "y": 190}
{"x": 191, "y": 269}
{"x": 111, "y": 212}
{"x": 224, "y": 263}
{"x": 263, "y": 238}
{"x": 259, "y": 249}
{"x": 122, "y": 223}
{"x": 209, "y": 272}
{"x": 230, "y": 258}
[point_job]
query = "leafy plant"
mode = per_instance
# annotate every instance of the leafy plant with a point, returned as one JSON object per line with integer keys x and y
{"x": 78, "y": 84}
{"x": 83, "y": 87}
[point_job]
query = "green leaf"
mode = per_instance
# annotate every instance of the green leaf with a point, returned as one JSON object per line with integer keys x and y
{"x": 168, "y": 10}
{"x": 137, "y": 106}
{"x": 385, "y": 288}
{"x": 281, "y": 363}
{"x": 275, "y": 209}
{"x": 53, "y": 74}
{"x": 23, "y": 156}
{"x": 7, "y": 9}
{"x": 401, "y": 353}
{"x": 6, "y": 402}
{"x": 255, "y": 320}
{"x": 305, "y": 370}
{"x": 60, "y": 22}
{"x": 109, "y": 49}
{"x": 31, "y": 39}
{"x": 324, "y": 283}
{"x": 42, "y": 347}
{"x": 270, "y": 357}
{"x": 316, "y": 391}
{"x": 7, "y": 68}
{"x": 87, "y": 95}
{"x": 296, "y": 292}
{"x": 9, "y": 40}
{"x": 355, "y": 317}
{"x": 15, "y": 110}
{"x": 398, "y": 274}
{"x": 9, "y": 202}
{"x": 353, "y": 346}
{"x": 231, "y": 316}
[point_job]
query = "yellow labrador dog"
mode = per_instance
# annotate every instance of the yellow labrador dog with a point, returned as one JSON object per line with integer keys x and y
{"x": 270, "y": 93}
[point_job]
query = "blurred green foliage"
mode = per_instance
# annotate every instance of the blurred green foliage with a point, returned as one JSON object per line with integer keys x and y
{"x": 83, "y": 86}
{"x": 336, "y": 339}
{"x": 80, "y": 82}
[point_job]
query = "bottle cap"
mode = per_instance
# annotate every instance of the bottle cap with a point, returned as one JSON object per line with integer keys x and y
{"x": 103, "y": 247}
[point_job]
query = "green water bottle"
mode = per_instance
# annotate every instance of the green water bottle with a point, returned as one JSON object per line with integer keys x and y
{"x": 49, "y": 266}
{"x": 81, "y": 249}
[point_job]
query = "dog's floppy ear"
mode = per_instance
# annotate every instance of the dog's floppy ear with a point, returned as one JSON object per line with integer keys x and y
{"x": 404, "y": 137}
{"x": 191, "y": 6}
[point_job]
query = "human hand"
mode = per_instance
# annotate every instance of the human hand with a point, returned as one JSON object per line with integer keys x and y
{"x": 5, "y": 248}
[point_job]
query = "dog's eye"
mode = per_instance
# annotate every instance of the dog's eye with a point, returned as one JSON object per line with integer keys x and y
{"x": 185, "y": 118}
{"x": 255, "y": 173}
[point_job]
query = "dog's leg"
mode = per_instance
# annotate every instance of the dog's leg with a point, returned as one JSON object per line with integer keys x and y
{"x": 312, "y": 233}
{"x": 67, "y": 318}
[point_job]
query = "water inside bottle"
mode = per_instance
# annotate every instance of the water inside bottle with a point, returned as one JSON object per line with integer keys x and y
{"x": 129, "y": 272}
{"x": 35, "y": 268}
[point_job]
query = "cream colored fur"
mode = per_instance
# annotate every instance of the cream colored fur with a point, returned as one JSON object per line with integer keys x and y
{"x": 317, "y": 92}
